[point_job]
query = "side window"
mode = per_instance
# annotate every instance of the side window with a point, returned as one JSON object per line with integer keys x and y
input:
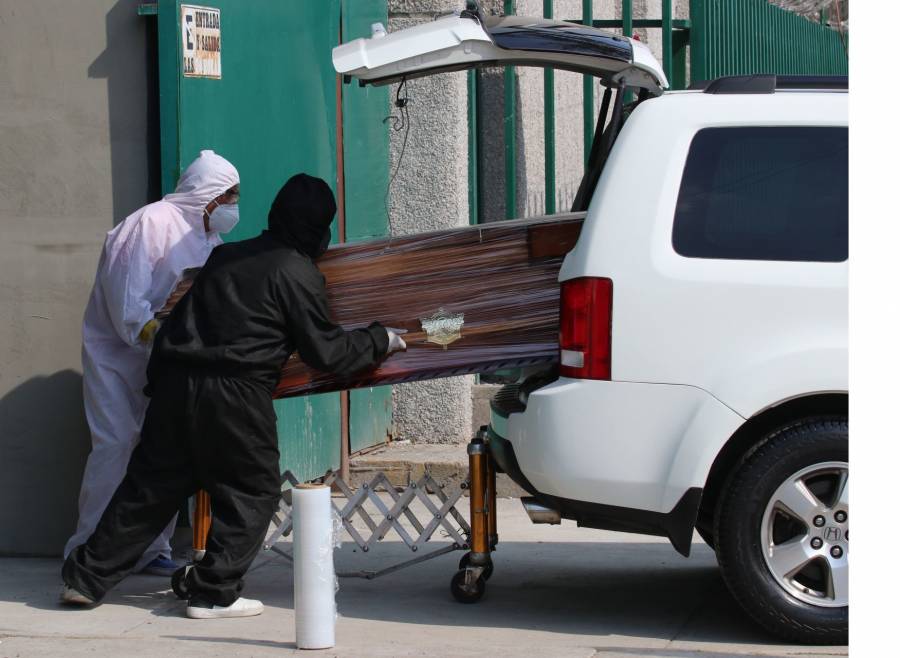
{"x": 776, "y": 193}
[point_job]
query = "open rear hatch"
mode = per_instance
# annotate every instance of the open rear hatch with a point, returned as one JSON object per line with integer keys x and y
{"x": 470, "y": 39}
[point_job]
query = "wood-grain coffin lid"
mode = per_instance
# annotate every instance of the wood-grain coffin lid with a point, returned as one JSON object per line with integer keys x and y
{"x": 473, "y": 299}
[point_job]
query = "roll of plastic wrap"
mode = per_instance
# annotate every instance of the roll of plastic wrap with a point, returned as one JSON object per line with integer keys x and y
{"x": 314, "y": 579}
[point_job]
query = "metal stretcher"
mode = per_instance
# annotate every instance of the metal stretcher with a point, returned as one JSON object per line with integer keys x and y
{"x": 478, "y": 537}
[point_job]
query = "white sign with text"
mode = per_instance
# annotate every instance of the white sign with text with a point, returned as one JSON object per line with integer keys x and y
{"x": 201, "y": 42}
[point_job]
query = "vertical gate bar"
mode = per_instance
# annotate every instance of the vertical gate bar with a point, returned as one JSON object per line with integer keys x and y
{"x": 771, "y": 28}
{"x": 699, "y": 52}
{"x": 758, "y": 39}
{"x": 509, "y": 127}
{"x": 679, "y": 59}
{"x": 824, "y": 42}
{"x": 749, "y": 50}
{"x": 549, "y": 131}
{"x": 723, "y": 39}
{"x": 718, "y": 26}
{"x": 728, "y": 40}
{"x": 792, "y": 45}
{"x": 549, "y": 143}
{"x": 627, "y": 31}
{"x": 791, "y": 40}
{"x": 732, "y": 43}
{"x": 667, "y": 38}
{"x": 809, "y": 55}
{"x": 819, "y": 44}
{"x": 749, "y": 39}
{"x": 344, "y": 467}
{"x": 812, "y": 33}
{"x": 587, "y": 18}
{"x": 745, "y": 58}
{"x": 772, "y": 31}
{"x": 474, "y": 185}
{"x": 782, "y": 69}
{"x": 714, "y": 34}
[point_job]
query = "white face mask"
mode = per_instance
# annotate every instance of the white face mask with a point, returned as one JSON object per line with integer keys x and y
{"x": 223, "y": 218}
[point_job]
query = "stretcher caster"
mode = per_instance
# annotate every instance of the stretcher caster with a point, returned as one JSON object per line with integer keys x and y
{"x": 179, "y": 584}
{"x": 466, "y": 587}
{"x": 465, "y": 563}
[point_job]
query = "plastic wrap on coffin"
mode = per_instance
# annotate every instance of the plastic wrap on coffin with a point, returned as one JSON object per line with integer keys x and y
{"x": 491, "y": 289}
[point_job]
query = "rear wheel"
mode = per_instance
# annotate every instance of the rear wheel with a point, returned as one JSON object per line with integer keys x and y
{"x": 782, "y": 531}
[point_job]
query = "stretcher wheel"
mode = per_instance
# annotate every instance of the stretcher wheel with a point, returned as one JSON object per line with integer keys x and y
{"x": 464, "y": 562}
{"x": 463, "y": 593}
{"x": 179, "y": 584}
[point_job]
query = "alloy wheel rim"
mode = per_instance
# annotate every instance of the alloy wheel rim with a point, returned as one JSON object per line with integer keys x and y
{"x": 805, "y": 534}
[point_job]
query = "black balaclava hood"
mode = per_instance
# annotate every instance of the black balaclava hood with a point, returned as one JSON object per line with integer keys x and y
{"x": 301, "y": 213}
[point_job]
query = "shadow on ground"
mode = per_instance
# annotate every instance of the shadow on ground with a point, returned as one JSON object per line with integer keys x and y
{"x": 581, "y": 588}
{"x": 615, "y": 598}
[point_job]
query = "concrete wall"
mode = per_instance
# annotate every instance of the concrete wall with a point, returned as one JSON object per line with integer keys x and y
{"x": 73, "y": 160}
{"x": 430, "y": 192}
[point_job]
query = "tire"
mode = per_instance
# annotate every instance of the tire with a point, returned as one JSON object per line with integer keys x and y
{"x": 779, "y": 542}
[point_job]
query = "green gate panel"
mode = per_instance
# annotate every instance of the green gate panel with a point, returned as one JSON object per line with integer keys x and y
{"x": 366, "y": 174}
{"x": 272, "y": 114}
{"x": 739, "y": 37}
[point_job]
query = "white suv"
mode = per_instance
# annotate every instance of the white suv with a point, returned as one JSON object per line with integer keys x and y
{"x": 703, "y": 377}
{"x": 703, "y": 363}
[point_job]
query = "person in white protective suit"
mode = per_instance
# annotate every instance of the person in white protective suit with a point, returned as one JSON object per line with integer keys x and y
{"x": 142, "y": 261}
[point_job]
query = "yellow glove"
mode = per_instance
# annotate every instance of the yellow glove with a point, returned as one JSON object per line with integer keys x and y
{"x": 148, "y": 333}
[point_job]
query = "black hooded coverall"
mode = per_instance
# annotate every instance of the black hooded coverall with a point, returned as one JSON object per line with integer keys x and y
{"x": 211, "y": 423}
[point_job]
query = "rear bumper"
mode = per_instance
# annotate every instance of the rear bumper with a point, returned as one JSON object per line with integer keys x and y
{"x": 677, "y": 525}
{"x": 618, "y": 455}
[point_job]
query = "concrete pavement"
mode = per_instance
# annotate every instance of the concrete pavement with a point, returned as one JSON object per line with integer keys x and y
{"x": 556, "y": 591}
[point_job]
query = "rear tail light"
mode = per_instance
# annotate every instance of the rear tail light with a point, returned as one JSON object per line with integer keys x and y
{"x": 585, "y": 328}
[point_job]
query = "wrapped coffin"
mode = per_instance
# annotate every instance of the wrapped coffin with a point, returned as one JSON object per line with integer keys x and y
{"x": 473, "y": 299}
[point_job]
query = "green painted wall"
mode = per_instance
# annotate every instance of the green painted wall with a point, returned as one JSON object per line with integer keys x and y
{"x": 273, "y": 114}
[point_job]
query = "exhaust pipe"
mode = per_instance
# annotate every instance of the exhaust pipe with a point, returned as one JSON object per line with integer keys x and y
{"x": 538, "y": 513}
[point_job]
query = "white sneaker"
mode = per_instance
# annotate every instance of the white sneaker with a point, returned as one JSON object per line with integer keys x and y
{"x": 71, "y": 596}
{"x": 240, "y": 608}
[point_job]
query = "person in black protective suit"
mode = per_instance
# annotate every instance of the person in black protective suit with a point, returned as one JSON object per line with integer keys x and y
{"x": 211, "y": 424}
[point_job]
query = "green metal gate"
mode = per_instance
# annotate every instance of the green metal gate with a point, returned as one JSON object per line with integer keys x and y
{"x": 738, "y": 37}
{"x": 725, "y": 37}
{"x": 274, "y": 111}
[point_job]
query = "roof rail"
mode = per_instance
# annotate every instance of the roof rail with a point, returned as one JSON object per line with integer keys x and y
{"x": 768, "y": 83}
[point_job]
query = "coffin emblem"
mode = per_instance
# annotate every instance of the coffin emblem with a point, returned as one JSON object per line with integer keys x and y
{"x": 443, "y": 328}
